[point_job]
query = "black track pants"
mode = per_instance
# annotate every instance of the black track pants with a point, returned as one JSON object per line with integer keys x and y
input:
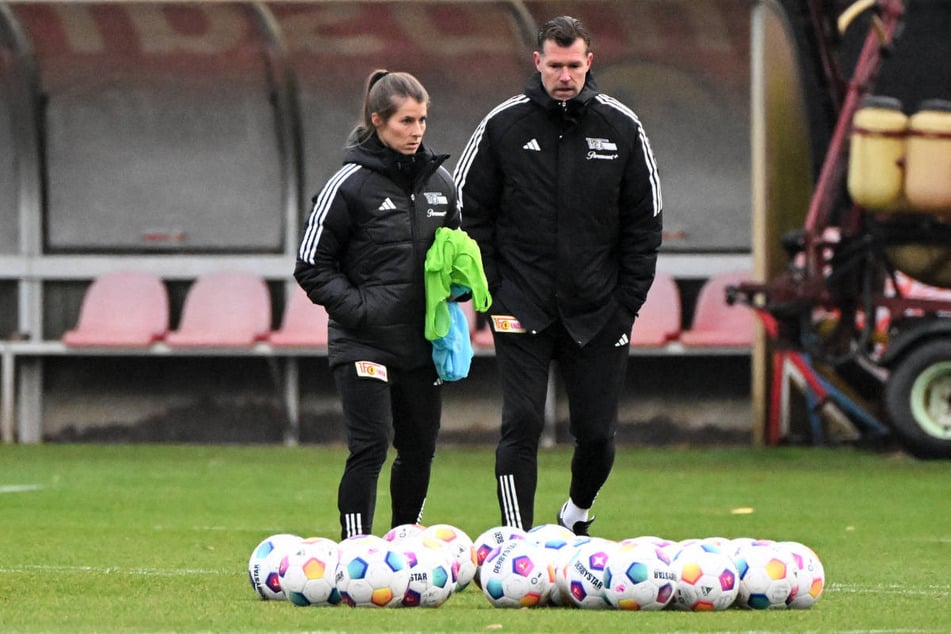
{"x": 593, "y": 376}
{"x": 409, "y": 403}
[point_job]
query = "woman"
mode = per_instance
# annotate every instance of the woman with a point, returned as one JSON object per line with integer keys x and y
{"x": 362, "y": 257}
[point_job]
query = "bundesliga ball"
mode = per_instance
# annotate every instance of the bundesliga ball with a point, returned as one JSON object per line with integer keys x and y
{"x": 403, "y": 531}
{"x": 560, "y": 547}
{"x": 560, "y": 561}
{"x": 706, "y": 579}
{"x": 372, "y": 573}
{"x": 431, "y": 572}
{"x": 517, "y": 574}
{"x": 488, "y": 541}
{"x": 462, "y": 549}
{"x": 768, "y": 577}
{"x": 638, "y": 577}
{"x": 550, "y": 533}
{"x": 307, "y": 574}
{"x": 736, "y": 545}
{"x": 667, "y": 547}
{"x": 583, "y": 575}
{"x": 265, "y": 563}
{"x": 811, "y": 576}
{"x": 359, "y": 543}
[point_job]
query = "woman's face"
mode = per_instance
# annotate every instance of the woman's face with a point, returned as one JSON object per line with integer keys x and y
{"x": 404, "y": 130}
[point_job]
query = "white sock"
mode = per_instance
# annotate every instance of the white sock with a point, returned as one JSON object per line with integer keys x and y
{"x": 571, "y": 513}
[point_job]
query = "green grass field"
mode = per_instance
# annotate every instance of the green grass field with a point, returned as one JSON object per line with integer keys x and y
{"x": 156, "y": 538}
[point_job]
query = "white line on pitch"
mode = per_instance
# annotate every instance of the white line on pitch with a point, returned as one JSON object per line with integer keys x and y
{"x": 117, "y": 570}
{"x": 19, "y": 488}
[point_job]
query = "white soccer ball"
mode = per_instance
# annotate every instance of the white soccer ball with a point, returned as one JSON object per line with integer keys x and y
{"x": 668, "y": 547}
{"x": 560, "y": 547}
{"x": 432, "y": 578}
{"x": 403, "y": 531}
{"x": 706, "y": 579}
{"x": 638, "y": 577}
{"x": 488, "y": 541}
{"x": 739, "y": 543}
{"x": 462, "y": 549}
{"x": 517, "y": 574}
{"x": 811, "y": 576}
{"x": 768, "y": 577}
{"x": 560, "y": 559}
{"x": 582, "y": 578}
{"x": 358, "y": 543}
{"x": 371, "y": 573}
{"x": 307, "y": 574}
{"x": 265, "y": 562}
{"x": 545, "y": 533}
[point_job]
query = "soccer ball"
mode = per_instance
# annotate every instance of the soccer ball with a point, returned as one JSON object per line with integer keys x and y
{"x": 431, "y": 576}
{"x": 637, "y": 577}
{"x": 811, "y": 576}
{"x": 768, "y": 577}
{"x": 737, "y": 544}
{"x": 583, "y": 575}
{"x": 371, "y": 573}
{"x": 265, "y": 562}
{"x": 517, "y": 574}
{"x": 706, "y": 579}
{"x": 560, "y": 546}
{"x": 667, "y": 549}
{"x": 359, "y": 543}
{"x": 560, "y": 560}
{"x": 550, "y": 533}
{"x": 488, "y": 541}
{"x": 307, "y": 574}
{"x": 462, "y": 549}
{"x": 403, "y": 531}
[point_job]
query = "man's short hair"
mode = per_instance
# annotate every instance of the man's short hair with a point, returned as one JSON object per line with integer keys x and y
{"x": 564, "y": 30}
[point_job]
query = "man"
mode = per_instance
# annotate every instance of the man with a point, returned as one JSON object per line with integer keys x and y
{"x": 559, "y": 188}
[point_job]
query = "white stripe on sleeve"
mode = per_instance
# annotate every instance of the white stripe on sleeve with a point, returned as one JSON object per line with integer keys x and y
{"x": 649, "y": 160}
{"x": 469, "y": 153}
{"x": 315, "y": 223}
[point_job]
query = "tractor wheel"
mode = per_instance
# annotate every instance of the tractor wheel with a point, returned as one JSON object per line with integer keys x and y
{"x": 918, "y": 399}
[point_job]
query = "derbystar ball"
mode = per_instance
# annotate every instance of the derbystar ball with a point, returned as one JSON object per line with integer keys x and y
{"x": 264, "y": 564}
{"x": 517, "y": 574}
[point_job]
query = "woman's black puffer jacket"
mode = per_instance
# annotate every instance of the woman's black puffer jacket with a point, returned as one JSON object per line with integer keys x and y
{"x": 364, "y": 247}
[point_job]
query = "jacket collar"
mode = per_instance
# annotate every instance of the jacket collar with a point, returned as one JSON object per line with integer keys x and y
{"x": 536, "y": 92}
{"x": 402, "y": 168}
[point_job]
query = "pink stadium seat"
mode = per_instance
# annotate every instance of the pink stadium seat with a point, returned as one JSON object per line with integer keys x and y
{"x": 124, "y": 309}
{"x": 716, "y": 323}
{"x": 658, "y": 321}
{"x": 305, "y": 323}
{"x": 224, "y": 310}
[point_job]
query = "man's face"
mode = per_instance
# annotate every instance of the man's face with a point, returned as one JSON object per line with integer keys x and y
{"x": 563, "y": 68}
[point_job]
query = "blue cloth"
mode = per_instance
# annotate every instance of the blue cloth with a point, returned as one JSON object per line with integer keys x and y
{"x": 452, "y": 353}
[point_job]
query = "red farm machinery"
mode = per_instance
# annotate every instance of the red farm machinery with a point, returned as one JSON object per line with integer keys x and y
{"x": 858, "y": 315}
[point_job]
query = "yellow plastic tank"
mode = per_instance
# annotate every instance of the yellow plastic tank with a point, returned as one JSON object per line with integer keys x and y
{"x": 876, "y": 154}
{"x": 928, "y": 158}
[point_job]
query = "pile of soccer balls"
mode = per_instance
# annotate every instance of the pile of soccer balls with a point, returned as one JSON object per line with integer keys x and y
{"x": 548, "y": 565}
{"x": 417, "y": 566}
{"x": 411, "y": 566}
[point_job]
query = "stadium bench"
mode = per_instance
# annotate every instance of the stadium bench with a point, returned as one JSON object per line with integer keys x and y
{"x": 229, "y": 315}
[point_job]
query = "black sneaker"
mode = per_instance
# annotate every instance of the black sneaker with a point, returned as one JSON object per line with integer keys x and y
{"x": 580, "y": 528}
